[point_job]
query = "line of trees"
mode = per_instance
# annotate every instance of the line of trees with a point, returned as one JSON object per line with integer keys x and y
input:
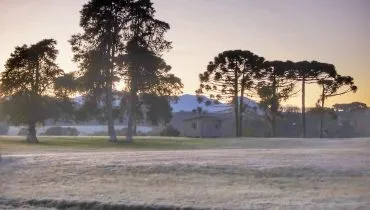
{"x": 234, "y": 74}
{"x": 121, "y": 42}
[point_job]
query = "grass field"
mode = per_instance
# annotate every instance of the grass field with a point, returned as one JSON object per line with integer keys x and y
{"x": 88, "y": 172}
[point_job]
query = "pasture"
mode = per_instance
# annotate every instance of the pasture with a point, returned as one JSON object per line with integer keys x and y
{"x": 167, "y": 173}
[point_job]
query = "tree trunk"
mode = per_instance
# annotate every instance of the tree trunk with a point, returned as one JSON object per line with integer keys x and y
{"x": 135, "y": 127}
{"x": 236, "y": 108}
{"x": 304, "y": 106}
{"x": 132, "y": 112}
{"x": 236, "y": 112}
{"x": 273, "y": 125}
{"x": 322, "y": 114}
{"x": 111, "y": 130}
{"x": 31, "y": 136}
{"x": 241, "y": 110}
{"x": 129, "y": 137}
{"x": 274, "y": 107}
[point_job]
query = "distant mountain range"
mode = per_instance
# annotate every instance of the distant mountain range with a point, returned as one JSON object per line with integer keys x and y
{"x": 187, "y": 103}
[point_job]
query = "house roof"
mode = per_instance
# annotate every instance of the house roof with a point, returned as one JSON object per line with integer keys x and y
{"x": 203, "y": 116}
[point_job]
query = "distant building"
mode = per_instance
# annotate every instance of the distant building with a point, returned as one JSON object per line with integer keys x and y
{"x": 202, "y": 126}
{"x": 214, "y": 125}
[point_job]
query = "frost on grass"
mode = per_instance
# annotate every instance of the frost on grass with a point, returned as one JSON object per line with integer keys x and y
{"x": 291, "y": 178}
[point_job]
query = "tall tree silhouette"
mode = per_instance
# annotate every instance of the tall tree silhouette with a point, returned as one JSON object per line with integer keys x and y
{"x": 109, "y": 28}
{"x": 230, "y": 77}
{"x": 146, "y": 73}
{"x": 158, "y": 109}
{"x": 339, "y": 85}
{"x": 26, "y": 83}
{"x": 65, "y": 87}
{"x": 308, "y": 73}
{"x": 96, "y": 51}
{"x": 276, "y": 86}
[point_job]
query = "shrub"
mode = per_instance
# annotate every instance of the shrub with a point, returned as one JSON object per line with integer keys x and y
{"x": 119, "y": 132}
{"x": 4, "y": 129}
{"x": 23, "y": 132}
{"x": 170, "y": 131}
{"x": 155, "y": 131}
{"x": 61, "y": 131}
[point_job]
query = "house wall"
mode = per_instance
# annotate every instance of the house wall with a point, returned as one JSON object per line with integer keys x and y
{"x": 228, "y": 128}
{"x": 188, "y": 130}
{"x": 209, "y": 129}
{"x": 204, "y": 128}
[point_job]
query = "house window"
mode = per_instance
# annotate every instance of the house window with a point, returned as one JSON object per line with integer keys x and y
{"x": 194, "y": 125}
{"x": 217, "y": 126}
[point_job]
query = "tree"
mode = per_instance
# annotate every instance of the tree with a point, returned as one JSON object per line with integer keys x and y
{"x": 27, "y": 84}
{"x": 96, "y": 50}
{"x": 143, "y": 68}
{"x": 146, "y": 73}
{"x": 65, "y": 87}
{"x": 229, "y": 78}
{"x": 276, "y": 86}
{"x": 354, "y": 106}
{"x": 353, "y": 117}
{"x": 152, "y": 108}
{"x": 291, "y": 109}
{"x": 115, "y": 34}
{"x": 308, "y": 73}
{"x": 322, "y": 113}
{"x": 339, "y": 85}
{"x": 159, "y": 109}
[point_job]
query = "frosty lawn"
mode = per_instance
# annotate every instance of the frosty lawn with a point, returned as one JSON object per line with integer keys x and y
{"x": 219, "y": 173}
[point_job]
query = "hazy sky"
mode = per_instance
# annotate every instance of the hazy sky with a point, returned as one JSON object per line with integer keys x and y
{"x": 333, "y": 31}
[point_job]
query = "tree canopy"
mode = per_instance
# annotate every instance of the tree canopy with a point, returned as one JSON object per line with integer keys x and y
{"x": 122, "y": 41}
{"x": 27, "y": 84}
{"x": 229, "y": 77}
{"x": 276, "y": 85}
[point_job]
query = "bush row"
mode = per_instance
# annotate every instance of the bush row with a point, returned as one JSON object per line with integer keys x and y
{"x": 71, "y": 131}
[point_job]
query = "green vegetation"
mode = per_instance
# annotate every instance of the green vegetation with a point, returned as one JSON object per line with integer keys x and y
{"x": 97, "y": 142}
{"x": 170, "y": 131}
{"x": 4, "y": 129}
{"x": 61, "y": 131}
{"x": 29, "y": 72}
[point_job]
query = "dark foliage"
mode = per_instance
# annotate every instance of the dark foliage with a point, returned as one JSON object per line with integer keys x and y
{"x": 170, "y": 131}
{"x": 276, "y": 86}
{"x": 61, "y": 131}
{"x": 27, "y": 81}
{"x": 230, "y": 77}
{"x": 122, "y": 40}
{"x": 4, "y": 129}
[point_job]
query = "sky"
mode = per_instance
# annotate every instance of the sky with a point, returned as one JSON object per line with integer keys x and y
{"x": 331, "y": 31}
